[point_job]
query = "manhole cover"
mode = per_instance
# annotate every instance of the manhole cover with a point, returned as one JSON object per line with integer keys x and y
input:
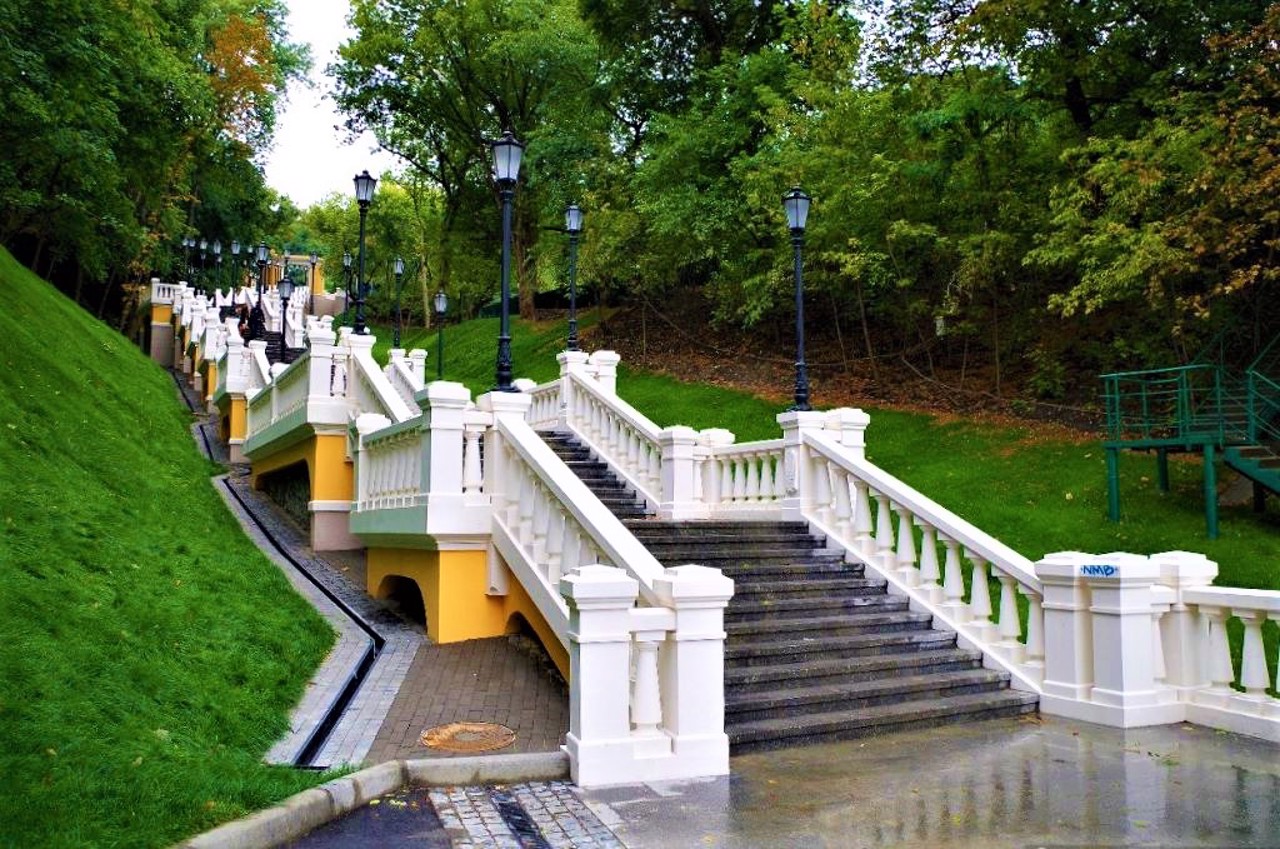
{"x": 468, "y": 737}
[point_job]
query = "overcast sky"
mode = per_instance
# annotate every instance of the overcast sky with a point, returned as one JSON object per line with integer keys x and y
{"x": 309, "y": 159}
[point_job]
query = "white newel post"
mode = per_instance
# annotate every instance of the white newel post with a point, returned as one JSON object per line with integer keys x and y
{"x": 1182, "y": 631}
{"x": 1123, "y": 662}
{"x": 850, "y": 427}
{"x": 1068, "y": 638}
{"x": 692, "y": 671}
{"x": 418, "y": 363}
{"x": 797, "y": 491}
{"x": 679, "y": 500}
{"x": 444, "y": 404}
{"x": 320, "y": 359}
{"x": 599, "y": 742}
{"x": 605, "y": 366}
{"x": 571, "y": 362}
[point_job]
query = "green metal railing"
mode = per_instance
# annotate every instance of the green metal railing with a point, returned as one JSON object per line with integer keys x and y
{"x": 1264, "y": 395}
{"x": 1179, "y": 406}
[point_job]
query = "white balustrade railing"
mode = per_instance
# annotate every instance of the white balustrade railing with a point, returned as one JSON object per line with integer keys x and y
{"x": 392, "y": 472}
{"x": 367, "y": 388}
{"x": 163, "y": 293}
{"x": 925, "y": 550}
{"x": 616, "y": 432}
{"x": 403, "y": 377}
{"x": 286, "y": 394}
{"x": 743, "y": 479}
{"x": 545, "y": 409}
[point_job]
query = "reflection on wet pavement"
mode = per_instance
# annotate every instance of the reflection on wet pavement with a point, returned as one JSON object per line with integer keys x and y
{"x": 1006, "y": 783}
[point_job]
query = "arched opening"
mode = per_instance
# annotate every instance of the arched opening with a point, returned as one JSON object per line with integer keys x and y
{"x": 290, "y": 488}
{"x": 522, "y": 636}
{"x": 404, "y": 597}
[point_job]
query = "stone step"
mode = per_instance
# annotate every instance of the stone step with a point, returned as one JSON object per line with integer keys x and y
{"x": 802, "y": 608}
{"x": 782, "y": 676}
{"x": 891, "y": 618}
{"x": 819, "y": 583}
{"x": 798, "y": 546}
{"x": 737, "y": 564}
{"x": 761, "y": 651}
{"x": 737, "y": 530}
{"x": 774, "y": 733}
{"x": 762, "y": 571}
{"x": 825, "y": 698}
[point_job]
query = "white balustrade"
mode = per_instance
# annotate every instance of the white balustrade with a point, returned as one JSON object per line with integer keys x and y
{"x": 404, "y": 378}
{"x": 617, "y": 433}
{"x": 545, "y": 410}
{"x": 367, "y": 388}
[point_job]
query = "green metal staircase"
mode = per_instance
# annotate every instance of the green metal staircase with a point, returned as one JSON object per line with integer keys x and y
{"x": 1203, "y": 407}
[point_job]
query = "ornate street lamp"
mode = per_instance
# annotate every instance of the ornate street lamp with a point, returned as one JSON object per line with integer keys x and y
{"x": 235, "y": 267}
{"x": 217, "y": 257}
{"x": 311, "y": 281}
{"x": 442, "y": 306}
{"x": 285, "y": 288}
{"x": 204, "y": 246}
{"x": 395, "y": 337}
{"x": 187, "y": 244}
{"x": 573, "y": 226}
{"x": 257, "y": 316}
{"x": 364, "y": 194}
{"x": 507, "y": 152}
{"x": 346, "y": 282}
{"x": 796, "y": 204}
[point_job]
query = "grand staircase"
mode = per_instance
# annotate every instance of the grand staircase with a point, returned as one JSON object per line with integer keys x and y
{"x": 816, "y": 651}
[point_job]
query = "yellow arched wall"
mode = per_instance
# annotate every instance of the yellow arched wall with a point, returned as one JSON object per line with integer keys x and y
{"x": 453, "y": 585}
{"x": 326, "y": 457}
{"x": 161, "y": 313}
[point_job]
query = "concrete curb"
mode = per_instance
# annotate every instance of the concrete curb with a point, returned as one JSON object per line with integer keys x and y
{"x": 310, "y": 809}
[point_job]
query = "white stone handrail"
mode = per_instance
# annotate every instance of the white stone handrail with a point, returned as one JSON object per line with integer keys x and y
{"x": 920, "y": 546}
{"x": 555, "y": 519}
{"x": 406, "y": 381}
{"x": 286, "y": 393}
{"x": 392, "y": 472}
{"x": 616, "y": 432}
{"x": 368, "y": 390}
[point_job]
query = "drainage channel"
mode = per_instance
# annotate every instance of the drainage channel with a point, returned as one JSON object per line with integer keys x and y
{"x": 320, "y": 734}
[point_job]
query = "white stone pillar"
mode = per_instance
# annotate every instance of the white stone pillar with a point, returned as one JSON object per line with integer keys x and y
{"x": 850, "y": 427}
{"x": 418, "y": 363}
{"x": 1068, "y": 637}
{"x": 797, "y": 492}
{"x": 599, "y": 740}
{"x": 1123, "y": 666}
{"x": 1182, "y": 630}
{"x": 605, "y": 366}
{"x": 692, "y": 668}
{"x": 678, "y": 497}
{"x": 571, "y": 362}
{"x": 320, "y": 374}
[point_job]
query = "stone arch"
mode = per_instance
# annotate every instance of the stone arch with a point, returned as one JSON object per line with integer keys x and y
{"x": 405, "y": 597}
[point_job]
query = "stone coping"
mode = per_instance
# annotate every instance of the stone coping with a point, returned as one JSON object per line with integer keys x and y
{"x": 310, "y": 809}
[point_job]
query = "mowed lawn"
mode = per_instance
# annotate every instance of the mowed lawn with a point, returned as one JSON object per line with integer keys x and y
{"x": 149, "y": 654}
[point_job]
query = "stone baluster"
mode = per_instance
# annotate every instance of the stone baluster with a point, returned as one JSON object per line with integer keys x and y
{"x": 906, "y": 553}
{"x": 1010, "y": 627}
{"x": 472, "y": 472}
{"x": 1034, "y": 648}
{"x": 555, "y": 546}
{"x": 929, "y": 573}
{"x": 953, "y": 582}
{"x": 863, "y": 540}
{"x": 1221, "y": 673}
{"x": 1253, "y": 658}
{"x": 979, "y": 599}
{"x": 646, "y": 692}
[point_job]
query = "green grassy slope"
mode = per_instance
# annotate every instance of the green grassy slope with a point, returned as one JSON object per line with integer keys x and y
{"x": 149, "y": 653}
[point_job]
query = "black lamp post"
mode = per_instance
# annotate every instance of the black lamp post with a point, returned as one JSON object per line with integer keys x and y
{"x": 346, "y": 283}
{"x": 395, "y": 337}
{"x": 257, "y": 316}
{"x": 507, "y": 152}
{"x": 235, "y": 266}
{"x": 364, "y": 194}
{"x": 285, "y": 288}
{"x": 217, "y": 258}
{"x": 796, "y": 204}
{"x": 187, "y": 244}
{"x": 263, "y": 255}
{"x": 311, "y": 281}
{"x": 204, "y": 246}
{"x": 573, "y": 226}
{"x": 442, "y": 306}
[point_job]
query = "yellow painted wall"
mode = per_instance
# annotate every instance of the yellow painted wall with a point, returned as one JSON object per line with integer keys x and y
{"x": 210, "y": 379}
{"x": 453, "y": 585}
{"x": 161, "y": 313}
{"x": 327, "y": 466}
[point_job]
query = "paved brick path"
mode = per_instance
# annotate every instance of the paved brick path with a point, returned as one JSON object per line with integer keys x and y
{"x": 476, "y": 681}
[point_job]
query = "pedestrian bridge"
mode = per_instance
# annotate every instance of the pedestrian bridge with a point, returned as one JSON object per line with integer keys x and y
{"x": 851, "y": 602}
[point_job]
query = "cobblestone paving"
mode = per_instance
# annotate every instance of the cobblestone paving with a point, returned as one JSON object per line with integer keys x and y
{"x": 536, "y": 815}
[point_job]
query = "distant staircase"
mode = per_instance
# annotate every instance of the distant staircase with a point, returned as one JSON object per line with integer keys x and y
{"x": 816, "y": 651}
{"x": 1204, "y": 406}
{"x": 276, "y": 350}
